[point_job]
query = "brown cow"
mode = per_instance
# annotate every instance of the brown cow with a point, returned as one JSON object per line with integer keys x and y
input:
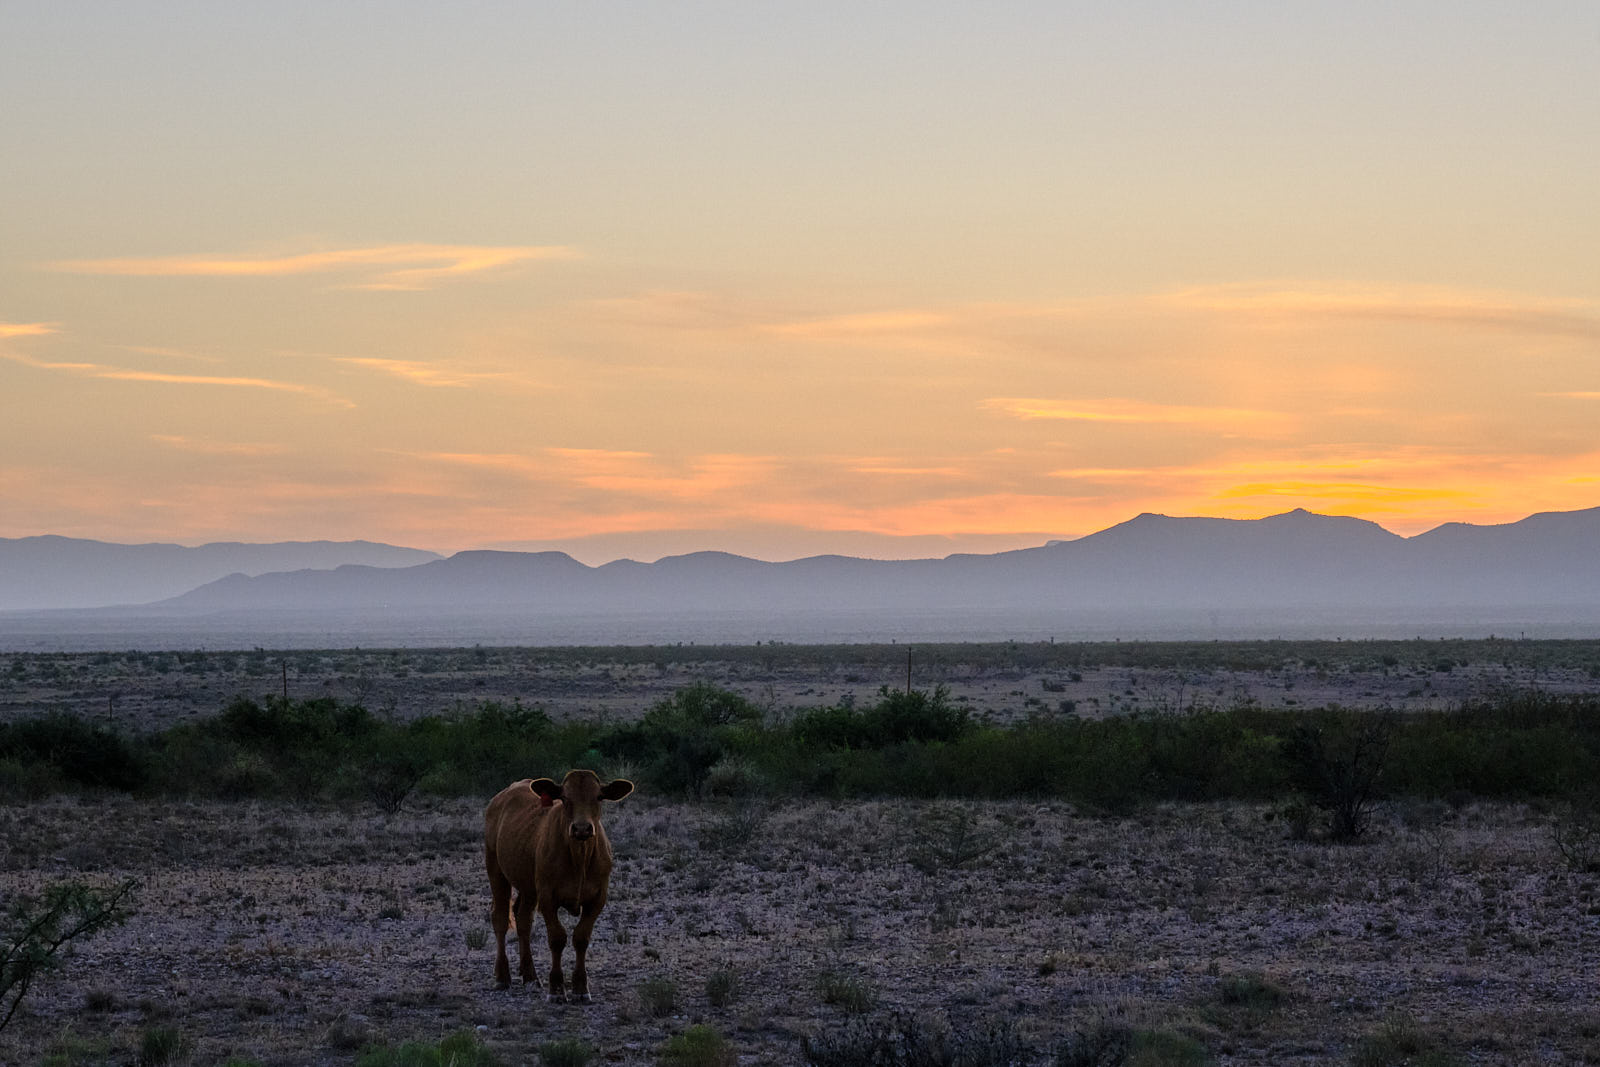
{"x": 545, "y": 840}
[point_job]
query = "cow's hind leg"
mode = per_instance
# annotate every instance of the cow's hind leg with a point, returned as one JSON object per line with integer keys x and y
{"x": 525, "y": 903}
{"x": 500, "y": 919}
{"x": 558, "y": 944}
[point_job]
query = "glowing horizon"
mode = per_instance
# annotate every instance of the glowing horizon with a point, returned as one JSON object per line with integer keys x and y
{"x": 630, "y": 284}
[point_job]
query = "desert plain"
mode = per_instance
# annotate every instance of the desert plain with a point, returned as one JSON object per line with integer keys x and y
{"x": 296, "y": 932}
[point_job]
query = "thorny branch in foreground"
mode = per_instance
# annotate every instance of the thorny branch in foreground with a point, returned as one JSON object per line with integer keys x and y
{"x": 37, "y": 928}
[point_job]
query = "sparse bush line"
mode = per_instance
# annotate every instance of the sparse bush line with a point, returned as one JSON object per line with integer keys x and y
{"x": 704, "y": 740}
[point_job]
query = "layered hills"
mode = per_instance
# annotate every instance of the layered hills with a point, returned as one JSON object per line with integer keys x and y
{"x": 69, "y": 572}
{"x": 1154, "y": 576}
{"x": 1152, "y": 561}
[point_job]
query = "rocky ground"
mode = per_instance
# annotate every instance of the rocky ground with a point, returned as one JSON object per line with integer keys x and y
{"x": 293, "y": 934}
{"x": 150, "y": 690}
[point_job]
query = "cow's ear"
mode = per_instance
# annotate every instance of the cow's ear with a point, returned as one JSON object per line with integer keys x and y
{"x": 548, "y": 790}
{"x": 616, "y": 789}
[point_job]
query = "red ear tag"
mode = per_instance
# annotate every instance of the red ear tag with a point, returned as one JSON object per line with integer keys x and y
{"x": 545, "y": 802}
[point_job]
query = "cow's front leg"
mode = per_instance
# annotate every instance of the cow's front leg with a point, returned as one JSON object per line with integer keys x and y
{"x": 558, "y": 943}
{"x": 580, "y": 946}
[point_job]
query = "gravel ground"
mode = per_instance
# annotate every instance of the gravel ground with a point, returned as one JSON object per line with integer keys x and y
{"x": 296, "y": 934}
{"x": 150, "y": 691}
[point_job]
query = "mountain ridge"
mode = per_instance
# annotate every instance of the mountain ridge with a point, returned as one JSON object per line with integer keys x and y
{"x": 1294, "y": 558}
{"x": 51, "y": 571}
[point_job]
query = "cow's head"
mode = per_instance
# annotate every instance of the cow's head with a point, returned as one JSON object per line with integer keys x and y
{"x": 581, "y": 793}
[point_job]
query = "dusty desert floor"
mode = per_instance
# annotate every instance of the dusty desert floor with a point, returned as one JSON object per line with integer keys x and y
{"x": 292, "y": 934}
{"x": 150, "y": 690}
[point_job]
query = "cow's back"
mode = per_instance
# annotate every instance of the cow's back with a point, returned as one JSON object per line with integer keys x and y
{"x": 511, "y": 825}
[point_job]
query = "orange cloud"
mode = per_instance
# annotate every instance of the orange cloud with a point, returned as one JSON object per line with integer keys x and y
{"x": 1411, "y": 303}
{"x": 705, "y": 477}
{"x": 512, "y": 462}
{"x": 218, "y": 448}
{"x": 25, "y": 329}
{"x": 425, "y": 374}
{"x": 171, "y": 353}
{"x": 1132, "y": 411}
{"x": 906, "y": 471}
{"x": 597, "y": 454}
{"x": 868, "y": 324}
{"x": 678, "y": 310}
{"x": 631, "y": 476}
{"x": 1346, "y": 493}
{"x": 411, "y": 266}
{"x": 126, "y": 374}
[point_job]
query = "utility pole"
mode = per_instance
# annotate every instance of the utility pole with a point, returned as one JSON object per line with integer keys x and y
{"x": 285, "y": 665}
{"x": 908, "y": 671}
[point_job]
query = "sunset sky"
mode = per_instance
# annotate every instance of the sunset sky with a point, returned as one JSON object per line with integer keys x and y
{"x": 886, "y": 279}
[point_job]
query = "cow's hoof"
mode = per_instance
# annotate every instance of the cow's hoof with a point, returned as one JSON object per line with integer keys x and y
{"x": 502, "y": 983}
{"x": 556, "y": 998}
{"x": 582, "y": 998}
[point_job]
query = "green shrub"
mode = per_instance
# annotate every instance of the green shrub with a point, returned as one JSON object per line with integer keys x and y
{"x": 1244, "y": 1001}
{"x": 850, "y": 993}
{"x": 566, "y": 1052}
{"x": 704, "y": 740}
{"x": 160, "y": 1045}
{"x": 914, "y": 1041}
{"x": 680, "y": 739}
{"x": 722, "y": 985}
{"x": 1337, "y": 760}
{"x": 458, "y": 1050}
{"x": 898, "y": 716}
{"x": 698, "y": 1046}
{"x": 945, "y": 837}
{"x": 1165, "y": 1048}
{"x": 1400, "y": 1041}
{"x": 1250, "y": 990}
{"x": 75, "y": 750}
{"x": 658, "y": 996}
{"x": 26, "y": 780}
{"x": 1098, "y": 1046}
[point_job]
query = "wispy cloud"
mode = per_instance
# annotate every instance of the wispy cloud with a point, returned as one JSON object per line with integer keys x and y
{"x": 699, "y": 478}
{"x": 395, "y": 266}
{"x": 172, "y": 353}
{"x": 207, "y": 447}
{"x": 129, "y": 374}
{"x": 1344, "y": 494}
{"x": 598, "y": 455}
{"x": 1404, "y": 303}
{"x": 629, "y": 474}
{"x": 25, "y": 329}
{"x": 417, "y": 372}
{"x": 675, "y": 309}
{"x": 906, "y": 470}
{"x": 1124, "y": 410}
{"x": 511, "y": 462}
{"x": 864, "y": 325}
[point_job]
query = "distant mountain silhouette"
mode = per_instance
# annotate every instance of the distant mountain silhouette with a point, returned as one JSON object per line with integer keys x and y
{"x": 66, "y": 572}
{"x": 1295, "y": 560}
